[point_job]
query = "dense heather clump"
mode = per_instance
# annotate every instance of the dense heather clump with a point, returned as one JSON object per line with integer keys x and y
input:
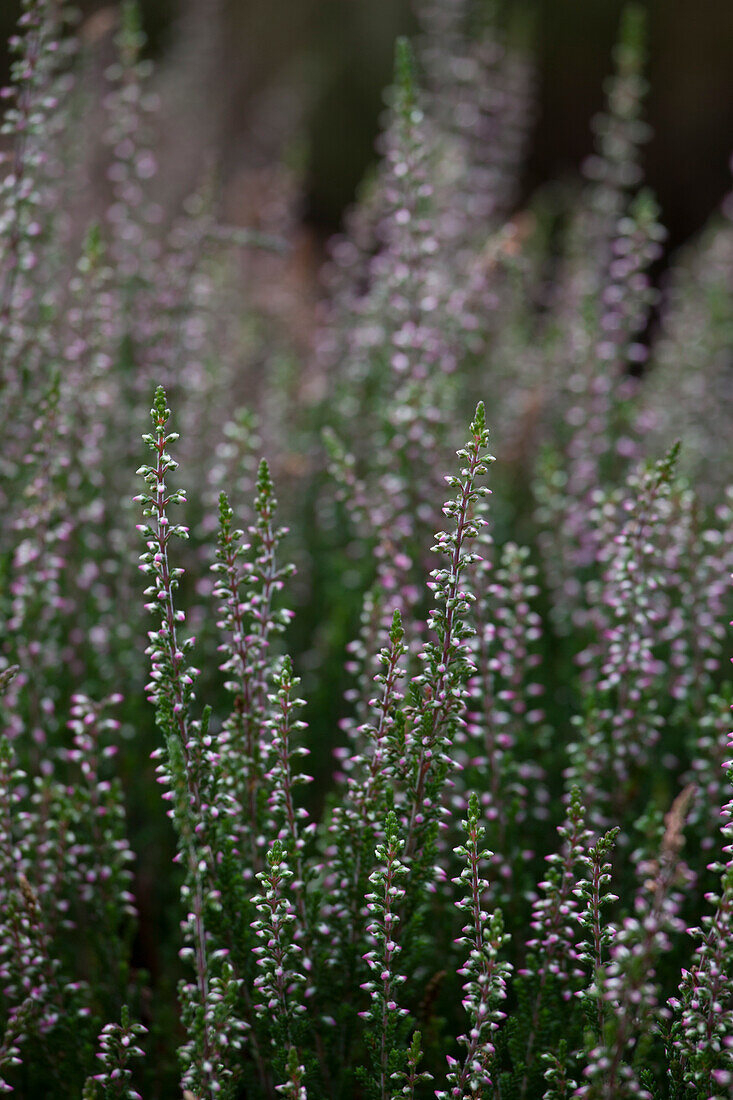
{"x": 517, "y": 879}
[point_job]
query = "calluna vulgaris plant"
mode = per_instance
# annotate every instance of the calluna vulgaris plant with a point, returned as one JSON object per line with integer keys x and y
{"x": 516, "y": 884}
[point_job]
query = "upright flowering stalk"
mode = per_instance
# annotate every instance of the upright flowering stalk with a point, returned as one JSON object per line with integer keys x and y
{"x": 279, "y": 985}
{"x": 560, "y": 1084}
{"x": 687, "y": 392}
{"x": 41, "y": 527}
{"x": 700, "y": 1046}
{"x": 293, "y": 1088}
{"x": 101, "y": 852}
{"x": 117, "y": 1046}
{"x": 403, "y": 352}
{"x": 27, "y": 974}
{"x": 486, "y": 974}
{"x": 479, "y": 91}
{"x": 440, "y": 691}
{"x": 127, "y": 104}
{"x": 630, "y": 606}
{"x": 385, "y": 1015}
{"x": 249, "y": 620}
{"x": 594, "y": 896}
{"x": 605, "y": 303}
{"x": 708, "y": 751}
{"x": 357, "y": 818}
{"x": 40, "y": 890}
{"x": 552, "y": 956}
{"x": 503, "y": 720}
{"x": 615, "y": 167}
{"x": 697, "y": 560}
{"x": 601, "y": 427}
{"x": 412, "y": 1076}
{"x": 627, "y": 983}
{"x": 479, "y": 101}
{"x": 26, "y": 118}
{"x": 701, "y": 1036}
{"x": 31, "y": 288}
{"x": 284, "y": 777}
{"x": 190, "y": 767}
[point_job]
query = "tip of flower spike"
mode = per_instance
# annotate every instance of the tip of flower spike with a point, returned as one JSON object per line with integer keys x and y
{"x": 275, "y": 855}
{"x": 632, "y": 36}
{"x": 93, "y": 244}
{"x": 646, "y": 211}
{"x": 132, "y": 24}
{"x": 225, "y": 512}
{"x": 159, "y": 412}
{"x": 404, "y": 73}
{"x": 478, "y": 424}
{"x": 391, "y": 828}
{"x": 397, "y": 632}
{"x": 264, "y": 480}
{"x": 666, "y": 466}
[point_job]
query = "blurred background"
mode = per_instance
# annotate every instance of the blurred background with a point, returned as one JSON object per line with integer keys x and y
{"x": 247, "y": 84}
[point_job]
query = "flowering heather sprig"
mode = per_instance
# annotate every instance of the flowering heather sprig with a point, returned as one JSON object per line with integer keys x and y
{"x": 412, "y": 1076}
{"x": 358, "y": 815}
{"x": 552, "y": 949}
{"x": 361, "y": 666}
{"x": 601, "y": 429}
{"x": 41, "y": 529}
{"x": 250, "y": 622}
{"x": 700, "y": 1047}
{"x": 171, "y": 685}
{"x": 629, "y": 608}
{"x": 708, "y": 751}
{"x": 688, "y": 392}
{"x": 503, "y": 721}
{"x": 27, "y": 973}
{"x": 627, "y": 295}
{"x": 614, "y": 175}
{"x": 26, "y": 123}
{"x": 117, "y": 1045}
{"x": 485, "y": 973}
{"x": 402, "y": 271}
{"x": 409, "y": 310}
{"x": 283, "y": 777}
{"x": 621, "y": 131}
{"x": 131, "y": 218}
{"x": 218, "y": 1028}
{"x": 701, "y": 1037}
{"x": 385, "y": 1014}
{"x": 63, "y": 869}
{"x": 281, "y": 984}
{"x": 101, "y": 852}
{"x": 35, "y": 994}
{"x": 604, "y": 303}
{"x": 294, "y": 1089}
{"x": 440, "y": 691}
{"x": 479, "y": 92}
{"x": 164, "y": 296}
{"x": 594, "y": 896}
{"x": 190, "y": 768}
{"x": 696, "y": 561}
{"x": 479, "y": 102}
{"x": 627, "y": 982}
{"x": 558, "y": 1075}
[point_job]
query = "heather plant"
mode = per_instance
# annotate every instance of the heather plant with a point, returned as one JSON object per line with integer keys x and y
{"x": 515, "y": 883}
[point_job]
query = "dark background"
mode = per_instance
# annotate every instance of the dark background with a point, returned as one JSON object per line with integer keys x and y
{"x": 334, "y": 58}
